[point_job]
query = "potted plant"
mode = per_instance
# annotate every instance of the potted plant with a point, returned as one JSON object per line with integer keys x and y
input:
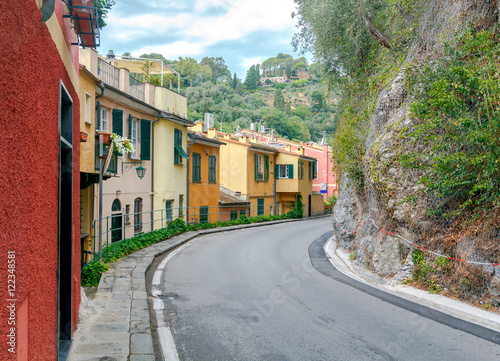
{"x": 106, "y": 137}
{"x": 83, "y": 136}
{"x": 122, "y": 145}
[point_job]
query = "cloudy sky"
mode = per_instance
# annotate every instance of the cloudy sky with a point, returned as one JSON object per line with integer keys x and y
{"x": 243, "y": 32}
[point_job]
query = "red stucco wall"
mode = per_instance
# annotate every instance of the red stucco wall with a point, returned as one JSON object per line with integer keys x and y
{"x": 30, "y": 72}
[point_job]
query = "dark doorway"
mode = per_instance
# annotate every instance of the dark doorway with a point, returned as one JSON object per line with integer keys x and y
{"x": 116, "y": 221}
{"x": 65, "y": 222}
{"x": 309, "y": 206}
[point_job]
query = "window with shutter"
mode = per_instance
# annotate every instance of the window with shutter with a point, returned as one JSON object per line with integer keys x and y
{"x": 118, "y": 122}
{"x": 196, "y": 167}
{"x": 145, "y": 139}
{"x": 134, "y": 129}
{"x": 179, "y": 152}
{"x": 266, "y": 168}
{"x": 212, "y": 169}
{"x": 259, "y": 167}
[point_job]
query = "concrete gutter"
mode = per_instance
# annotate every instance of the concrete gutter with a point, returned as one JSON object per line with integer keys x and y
{"x": 339, "y": 258}
{"x": 116, "y": 325}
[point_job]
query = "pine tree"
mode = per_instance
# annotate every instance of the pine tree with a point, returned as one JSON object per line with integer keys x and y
{"x": 279, "y": 100}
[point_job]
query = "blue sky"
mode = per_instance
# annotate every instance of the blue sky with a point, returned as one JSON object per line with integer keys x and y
{"x": 243, "y": 32}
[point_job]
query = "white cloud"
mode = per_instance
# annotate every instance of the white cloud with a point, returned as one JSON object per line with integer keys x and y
{"x": 242, "y": 18}
{"x": 174, "y": 50}
{"x": 248, "y": 62}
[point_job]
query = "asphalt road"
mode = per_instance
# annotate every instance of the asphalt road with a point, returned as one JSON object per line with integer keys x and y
{"x": 268, "y": 293}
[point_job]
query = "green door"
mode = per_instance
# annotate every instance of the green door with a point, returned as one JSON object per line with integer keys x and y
{"x": 204, "y": 214}
{"x": 260, "y": 206}
{"x": 116, "y": 227}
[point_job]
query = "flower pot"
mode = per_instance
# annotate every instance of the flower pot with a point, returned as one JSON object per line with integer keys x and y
{"x": 106, "y": 137}
{"x": 83, "y": 136}
{"x": 84, "y": 17}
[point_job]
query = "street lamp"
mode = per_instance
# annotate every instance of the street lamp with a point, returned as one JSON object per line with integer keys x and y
{"x": 141, "y": 171}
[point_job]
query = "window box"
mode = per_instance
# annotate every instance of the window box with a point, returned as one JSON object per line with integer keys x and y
{"x": 85, "y": 20}
{"x": 106, "y": 137}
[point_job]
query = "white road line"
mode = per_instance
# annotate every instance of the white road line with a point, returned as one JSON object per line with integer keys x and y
{"x": 158, "y": 304}
{"x": 167, "y": 342}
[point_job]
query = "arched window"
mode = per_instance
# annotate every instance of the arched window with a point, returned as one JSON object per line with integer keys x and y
{"x": 116, "y": 207}
{"x": 138, "y": 215}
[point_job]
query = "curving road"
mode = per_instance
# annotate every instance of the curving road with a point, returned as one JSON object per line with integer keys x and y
{"x": 268, "y": 293}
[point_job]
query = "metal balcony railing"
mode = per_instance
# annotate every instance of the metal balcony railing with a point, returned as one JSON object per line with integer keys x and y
{"x": 137, "y": 89}
{"x": 108, "y": 73}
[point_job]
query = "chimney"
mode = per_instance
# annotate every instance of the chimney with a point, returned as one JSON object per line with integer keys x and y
{"x": 212, "y": 133}
{"x": 198, "y": 126}
{"x": 299, "y": 151}
{"x": 243, "y": 139}
{"x": 288, "y": 147}
{"x": 253, "y": 140}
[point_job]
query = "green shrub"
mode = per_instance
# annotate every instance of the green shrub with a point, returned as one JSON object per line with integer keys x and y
{"x": 91, "y": 273}
{"x": 458, "y": 111}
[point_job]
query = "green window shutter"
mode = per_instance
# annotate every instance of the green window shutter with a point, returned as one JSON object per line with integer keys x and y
{"x": 130, "y": 126}
{"x": 234, "y": 215}
{"x": 315, "y": 169}
{"x": 118, "y": 122}
{"x": 298, "y": 170}
{"x": 266, "y": 167}
{"x": 145, "y": 139}
{"x": 196, "y": 167}
{"x": 256, "y": 157}
{"x": 309, "y": 170}
{"x": 212, "y": 168}
{"x": 260, "y": 206}
{"x": 290, "y": 171}
{"x": 276, "y": 171}
{"x": 98, "y": 125}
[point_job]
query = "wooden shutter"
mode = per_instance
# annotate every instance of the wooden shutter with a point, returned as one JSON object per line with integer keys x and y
{"x": 266, "y": 167}
{"x": 118, "y": 122}
{"x": 98, "y": 125}
{"x": 130, "y": 126}
{"x": 256, "y": 157}
{"x": 290, "y": 171}
{"x": 276, "y": 171}
{"x": 145, "y": 139}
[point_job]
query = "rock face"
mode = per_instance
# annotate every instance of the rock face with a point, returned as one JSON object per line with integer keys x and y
{"x": 393, "y": 196}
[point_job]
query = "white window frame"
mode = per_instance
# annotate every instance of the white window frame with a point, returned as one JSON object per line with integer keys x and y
{"x": 134, "y": 137}
{"x": 260, "y": 165}
{"x": 88, "y": 100}
{"x": 283, "y": 174}
{"x": 104, "y": 119}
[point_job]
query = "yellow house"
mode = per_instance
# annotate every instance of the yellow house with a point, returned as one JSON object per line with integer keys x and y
{"x": 204, "y": 176}
{"x": 170, "y": 169}
{"x": 88, "y": 174}
{"x": 294, "y": 174}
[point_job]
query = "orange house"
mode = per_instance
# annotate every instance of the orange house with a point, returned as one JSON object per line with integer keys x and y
{"x": 203, "y": 179}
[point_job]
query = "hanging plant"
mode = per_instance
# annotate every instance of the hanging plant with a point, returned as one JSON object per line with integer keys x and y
{"x": 123, "y": 145}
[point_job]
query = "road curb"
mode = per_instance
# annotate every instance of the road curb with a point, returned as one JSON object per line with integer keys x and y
{"x": 451, "y": 307}
{"x": 121, "y": 326}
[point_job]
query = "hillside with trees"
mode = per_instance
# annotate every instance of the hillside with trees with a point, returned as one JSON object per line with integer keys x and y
{"x": 298, "y": 109}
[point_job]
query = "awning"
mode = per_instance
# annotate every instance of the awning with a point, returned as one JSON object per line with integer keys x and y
{"x": 181, "y": 151}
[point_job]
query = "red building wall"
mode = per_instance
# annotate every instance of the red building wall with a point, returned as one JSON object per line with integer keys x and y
{"x": 30, "y": 75}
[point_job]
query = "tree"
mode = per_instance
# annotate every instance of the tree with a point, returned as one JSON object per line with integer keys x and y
{"x": 340, "y": 32}
{"x": 279, "y": 100}
{"x": 251, "y": 79}
{"x": 316, "y": 100}
{"x": 302, "y": 111}
{"x": 188, "y": 68}
{"x": 218, "y": 67}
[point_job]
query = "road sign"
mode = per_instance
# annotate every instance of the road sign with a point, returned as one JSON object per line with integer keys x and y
{"x": 322, "y": 187}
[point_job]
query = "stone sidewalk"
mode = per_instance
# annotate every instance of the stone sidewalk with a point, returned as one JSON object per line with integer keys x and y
{"x": 115, "y": 325}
